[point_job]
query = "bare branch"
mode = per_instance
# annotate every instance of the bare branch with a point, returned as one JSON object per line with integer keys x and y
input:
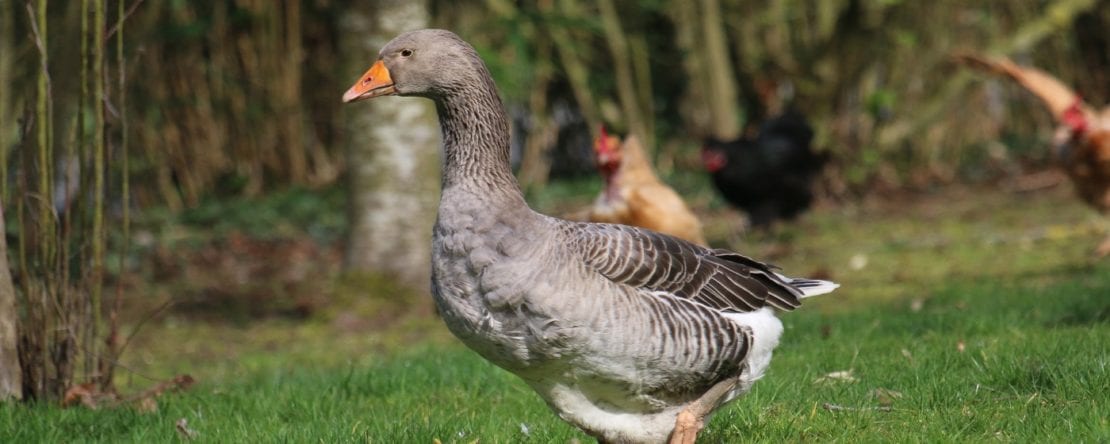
{"x": 127, "y": 15}
{"x": 42, "y": 51}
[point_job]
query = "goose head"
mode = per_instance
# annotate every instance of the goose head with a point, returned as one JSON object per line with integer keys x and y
{"x": 428, "y": 63}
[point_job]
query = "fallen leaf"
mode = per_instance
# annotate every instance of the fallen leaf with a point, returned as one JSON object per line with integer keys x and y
{"x": 917, "y": 304}
{"x": 147, "y": 405}
{"x": 885, "y": 397}
{"x": 857, "y": 262}
{"x": 838, "y": 376}
{"x": 183, "y": 429}
{"x": 85, "y": 394}
{"x": 833, "y": 407}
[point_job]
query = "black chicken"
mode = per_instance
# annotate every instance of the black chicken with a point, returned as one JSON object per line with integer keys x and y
{"x": 769, "y": 176}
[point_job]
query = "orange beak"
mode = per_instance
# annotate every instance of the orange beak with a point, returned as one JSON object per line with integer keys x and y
{"x": 376, "y": 82}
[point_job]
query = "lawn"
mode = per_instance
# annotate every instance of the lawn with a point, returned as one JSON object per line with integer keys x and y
{"x": 965, "y": 315}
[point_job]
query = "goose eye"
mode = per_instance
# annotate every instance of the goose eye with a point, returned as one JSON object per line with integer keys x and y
{"x": 406, "y": 52}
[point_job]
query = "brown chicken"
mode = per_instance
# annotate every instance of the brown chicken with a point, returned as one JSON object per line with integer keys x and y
{"x": 1082, "y": 140}
{"x": 633, "y": 195}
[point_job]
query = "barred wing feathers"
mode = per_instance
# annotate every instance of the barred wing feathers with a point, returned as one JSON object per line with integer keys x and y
{"x": 717, "y": 278}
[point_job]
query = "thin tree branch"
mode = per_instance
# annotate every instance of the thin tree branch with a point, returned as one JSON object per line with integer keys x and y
{"x": 42, "y": 49}
{"x": 126, "y": 15}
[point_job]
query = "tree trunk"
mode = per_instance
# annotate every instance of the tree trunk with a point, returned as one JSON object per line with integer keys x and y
{"x": 393, "y": 151}
{"x": 6, "y": 101}
{"x": 625, "y": 76}
{"x": 688, "y": 39}
{"x": 11, "y": 381}
{"x": 722, "y": 81}
{"x": 574, "y": 63}
{"x": 535, "y": 164}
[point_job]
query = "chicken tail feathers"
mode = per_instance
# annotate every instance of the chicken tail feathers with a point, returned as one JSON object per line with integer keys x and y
{"x": 1055, "y": 95}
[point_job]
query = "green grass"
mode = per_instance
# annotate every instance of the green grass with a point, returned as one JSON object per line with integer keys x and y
{"x": 980, "y": 315}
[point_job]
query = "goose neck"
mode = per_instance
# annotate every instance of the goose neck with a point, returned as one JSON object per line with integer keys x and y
{"x": 476, "y": 143}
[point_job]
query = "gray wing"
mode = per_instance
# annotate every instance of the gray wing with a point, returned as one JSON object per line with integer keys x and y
{"x": 717, "y": 278}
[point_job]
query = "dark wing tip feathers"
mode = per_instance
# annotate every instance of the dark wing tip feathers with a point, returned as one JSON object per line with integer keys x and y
{"x": 806, "y": 283}
{"x": 744, "y": 260}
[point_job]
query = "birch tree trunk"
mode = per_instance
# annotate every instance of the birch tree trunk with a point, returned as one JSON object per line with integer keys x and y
{"x": 11, "y": 381}
{"x": 393, "y": 146}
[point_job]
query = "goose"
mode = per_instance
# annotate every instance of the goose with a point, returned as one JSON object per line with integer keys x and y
{"x": 627, "y": 334}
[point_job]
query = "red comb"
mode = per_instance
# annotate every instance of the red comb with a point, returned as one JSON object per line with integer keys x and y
{"x": 1073, "y": 116}
{"x": 601, "y": 145}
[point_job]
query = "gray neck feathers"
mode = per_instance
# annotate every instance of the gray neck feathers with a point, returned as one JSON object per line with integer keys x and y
{"x": 476, "y": 137}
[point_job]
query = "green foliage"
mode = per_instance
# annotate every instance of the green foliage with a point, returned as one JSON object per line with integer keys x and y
{"x": 249, "y": 88}
{"x": 297, "y": 210}
{"x": 565, "y": 195}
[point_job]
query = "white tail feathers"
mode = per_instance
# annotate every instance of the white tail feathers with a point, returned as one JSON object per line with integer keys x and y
{"x": 810, "y": 287}
{"x": 814, "y": 287}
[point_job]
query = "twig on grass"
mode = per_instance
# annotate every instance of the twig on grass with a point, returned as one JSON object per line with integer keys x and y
{"x": 90, "y": 395}
{"x": 182, "y": 426}
{"x": 839, "y": 408}
{"x": 178, "y": 383}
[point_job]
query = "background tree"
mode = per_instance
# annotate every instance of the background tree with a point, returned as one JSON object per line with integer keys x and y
{"x": 11, "y": 380}
{"x": 393, "y": 152}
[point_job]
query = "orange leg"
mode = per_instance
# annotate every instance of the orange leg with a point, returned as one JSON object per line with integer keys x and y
{"x": 692, "y": 418}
